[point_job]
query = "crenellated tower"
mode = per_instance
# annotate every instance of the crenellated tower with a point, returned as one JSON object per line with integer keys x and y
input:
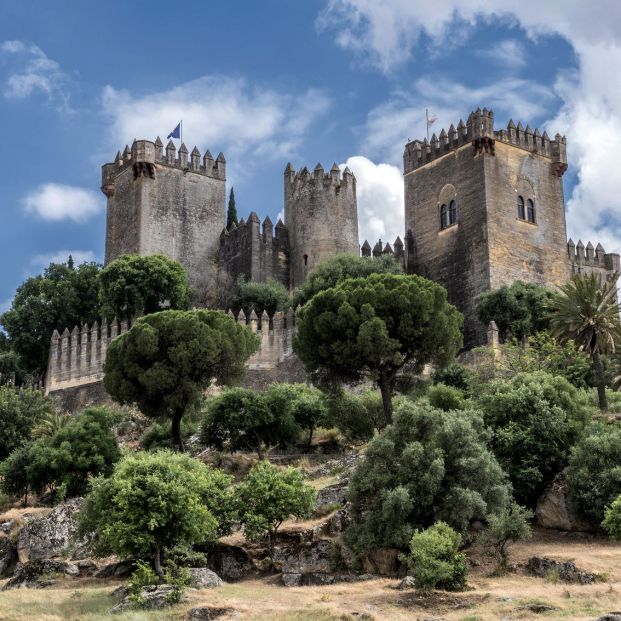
{"x": 321, "y": 215}
{"x": 170, "y": 203}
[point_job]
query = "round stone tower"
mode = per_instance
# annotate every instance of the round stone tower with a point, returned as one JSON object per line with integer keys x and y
{"x": 321, "y": 215}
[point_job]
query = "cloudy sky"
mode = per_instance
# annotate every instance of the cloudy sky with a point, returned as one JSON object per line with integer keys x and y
{"x": 344, "y": 81}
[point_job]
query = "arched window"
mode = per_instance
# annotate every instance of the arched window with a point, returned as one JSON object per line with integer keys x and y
{"x": 521, "y": 213}
{"x": 305, "y": 260}
{"x": 531, "y": 211}
{"x": 452, "y": 212}
{"x": 443, "y": 217}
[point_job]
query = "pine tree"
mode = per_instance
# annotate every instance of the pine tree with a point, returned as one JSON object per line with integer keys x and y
{"x": 231, "y": 215}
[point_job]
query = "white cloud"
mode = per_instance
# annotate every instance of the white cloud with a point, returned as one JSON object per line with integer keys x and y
{"x": 32, "y": 71}
{"x": 79, "y": 256}
{"x": 218, "y": 113}
{"x": 54, "y": 201}
{"x": 379, "y": 189}
{"x": 510, "y": 53}
{"x": 385, "y": 35}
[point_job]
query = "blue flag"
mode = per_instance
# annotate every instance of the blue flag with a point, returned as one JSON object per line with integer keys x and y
{"x": 175, "y": 133}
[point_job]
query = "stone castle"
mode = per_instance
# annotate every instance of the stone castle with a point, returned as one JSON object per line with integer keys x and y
{"x": 483, "y": 208}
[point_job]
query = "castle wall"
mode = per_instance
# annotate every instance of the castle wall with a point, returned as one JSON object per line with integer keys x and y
{"x": 589, "y": 260}
{"x": 321, "y": 215}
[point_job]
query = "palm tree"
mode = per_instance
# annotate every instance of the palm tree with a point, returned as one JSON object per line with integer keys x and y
{"x": 587, "y": 311}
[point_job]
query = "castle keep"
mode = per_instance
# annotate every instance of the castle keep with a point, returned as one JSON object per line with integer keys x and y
{"x": 483, "y": 208}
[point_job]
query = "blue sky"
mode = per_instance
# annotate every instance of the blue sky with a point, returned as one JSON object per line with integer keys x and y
{"x": 278, "y": 81}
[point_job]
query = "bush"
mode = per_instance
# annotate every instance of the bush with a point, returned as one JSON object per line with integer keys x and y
{"x": 455, "y": 375}
{"x": 269, "y": 296}
{"x": 268, "y": 496}
{"x": 434, "y": 559}
{"x": 612, "y": 519}
{"x": 156, "y": 501}
{"x": 445, "y": 397}
{"x": 594, "y": 471}
{"x": 510, "y": 524}
{"x": 427, "y": 466}
{"x": 536, "y": 418}
{"x": 159, "y": 435}
{"x": 309, "y": 412}
{"x": 357, "y": 417}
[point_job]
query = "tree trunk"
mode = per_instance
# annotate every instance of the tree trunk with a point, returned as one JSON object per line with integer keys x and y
{"x": 157, "y": 563}
{"x": 601, "y": 380}
{"x": 310, "y": 440}
{"x": 385, "y": 387}
{"x": 176, "y": 432}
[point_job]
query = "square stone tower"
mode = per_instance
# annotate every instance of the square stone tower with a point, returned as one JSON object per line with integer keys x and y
{"x": 167, "y": 204}
{"x": 485, "y": 208}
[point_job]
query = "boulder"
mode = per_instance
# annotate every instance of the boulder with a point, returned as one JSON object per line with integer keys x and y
{"x": 407, "y": 583}
{"x": 39, "y": 574}
{"x": 8, "y": 556}
{"x": 330, "y": 496}
{"x": 207, "y": 613}
{"x": 7, "y": 527}
{"x": 153, "y": 597}
{"x": 304, "y": 558}
{"x": 319, "y": 579}
{"x": 566, "y": 570}
{"x": 610, "y": 616}
{"x": 119, "y": 569}
{"x": 203, "y": 578}
{"x": 554, "y": 511}
{"x": 49, "y": 536}
{"x": 229, "y": 561}
{"x": 383, "y": 561}
{"x": 537, "y": 608}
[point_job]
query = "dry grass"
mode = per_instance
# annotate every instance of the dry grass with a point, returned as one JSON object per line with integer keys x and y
{"x": 490, "y": 598}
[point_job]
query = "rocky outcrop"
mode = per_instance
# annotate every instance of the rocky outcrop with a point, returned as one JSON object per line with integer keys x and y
{"x": 40, "y": 573}
{"x": 331, "y": 497}
{"x": 565, "y": 570}
{"x": 384, "y": 561}
{"x": 203, "y": 578}
{"x": 321, "y": 579}
{"x": 152, "y": 597}
{"x": 8, "y": 556}
{"x": 118, "y": 569}
{"x": 610, "y": 616}
{"x": 229, "y": 561}
{"x": 207, "y": 613}
{"x": 52, "y": 535}
{"x": 554, "y": 511}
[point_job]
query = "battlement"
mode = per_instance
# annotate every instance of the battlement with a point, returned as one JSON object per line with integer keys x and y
{"x": 145, "y": 156}
{"x": 480, "y": 133}
{"x": 264, "y": 231}
{"x": 318, "y": 178}
{"x": 581, "y": 256}
{"x": 397, "y": 250}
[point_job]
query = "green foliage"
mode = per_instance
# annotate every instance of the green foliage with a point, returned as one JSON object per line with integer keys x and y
{"x": 164, "y": 362}
{"x": 435, "y": 560}
{"x": 14, "y": 472}
{"x": 446, "y": 397}
{"x": 20, "y": 410}
{"x": 269, "y": 296}
{"x": 156, "y": 501}
{"x": 369, "y": 328}
{"x": 536, "y": 418}
{"x": 138, "y": 285}
{"x": 62, "y": 297}
{"x": 594, "y": 471}
{"x": 427, "y": 466}
{"x": 519, "y": 309}
{"x": 509, "y": 525}
{"x": 612, "y": 519}
{"x": 455, "y": 375}
{"x": 231, "y": 212}
{"x": 50, "y": 423}
{"x": 11, "y": 369}
{"x": 309, "y": 411}
{"x": 242, "y": 419}
{"x": 357, "y": 417}
{"x": 268, "y": 496}
{"x": 341, "y": 267}
{"x": 159, "y": 435}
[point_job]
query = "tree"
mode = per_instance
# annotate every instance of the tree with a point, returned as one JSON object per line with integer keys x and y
{"x": 427, "y": 466}
{"x": 587, "y": 312}
{"x": 309, "y": 412}
{"x": 231, "y": 213}
{"x": 62, "y": 297}
{"x": 612, "y": 519}
{"x": 156, "y": 501}
{"x": 594, "y": 471}
{"x": 268, "y": 496}
{"x": 446, "y": 397}
{"x": 519, "y": 309}
{"x": 356, "y": 417}
{"x": 369, "y": 328}
{"x": 166, "y": 359}
{"x": 20, "y": 410}
{"x": 341, "y": 267}
{"x": 138, "y": 285}
{"x": 509, "y": 525}
{"x": 435, "y": 560}
{"x": 14, "y": 473}
{"x": 535, "y": 419}
{"x": 269, "y": 296}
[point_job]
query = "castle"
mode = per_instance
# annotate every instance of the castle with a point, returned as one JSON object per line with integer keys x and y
{"x": 483, "y": 208}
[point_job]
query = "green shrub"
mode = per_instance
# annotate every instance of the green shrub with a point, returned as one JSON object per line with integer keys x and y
{"x": 159, "y": 434}
{"x": 594, "y": 471}
{"x": 434, "y": 559}
{"x": 612, "y": 519}
{"x": 269, "y": 296}
{"x": 536, "y": 418}
{"x": 427, "y": 466}
{"x": 455, "y": 375}
{"x": 357, "y": 417}
{"x": 445, "y": 397}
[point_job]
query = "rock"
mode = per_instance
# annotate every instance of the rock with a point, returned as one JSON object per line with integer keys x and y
{"x": 537, "y": 608}
{"x": 292, "y": 580}
{"x": 318, "y": 579}
{"x": 554, "y": 511}
{"x": 383, "y": 561}
{"x": 337, "y": 522}
{"x": 86, "y": 566}
{"x": 407, "y": 583}
{"x": 207, "y": 613}
{"x": 8, "y": 556}
{"x": 203, "y": 578}
{"x": 48, "y": 536}
{"x": 7, "y": 527}
{"x": 230, "y": 562}
{"x": 330, "y": 496}
{"x": 39, "y": 574}
{"x": 610, "y": 616}
{"x": 304, "y": 558}
{"x": 120, "y": 569}
{"x": 566, "y": 570}
{"x": 153, "y": 597}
